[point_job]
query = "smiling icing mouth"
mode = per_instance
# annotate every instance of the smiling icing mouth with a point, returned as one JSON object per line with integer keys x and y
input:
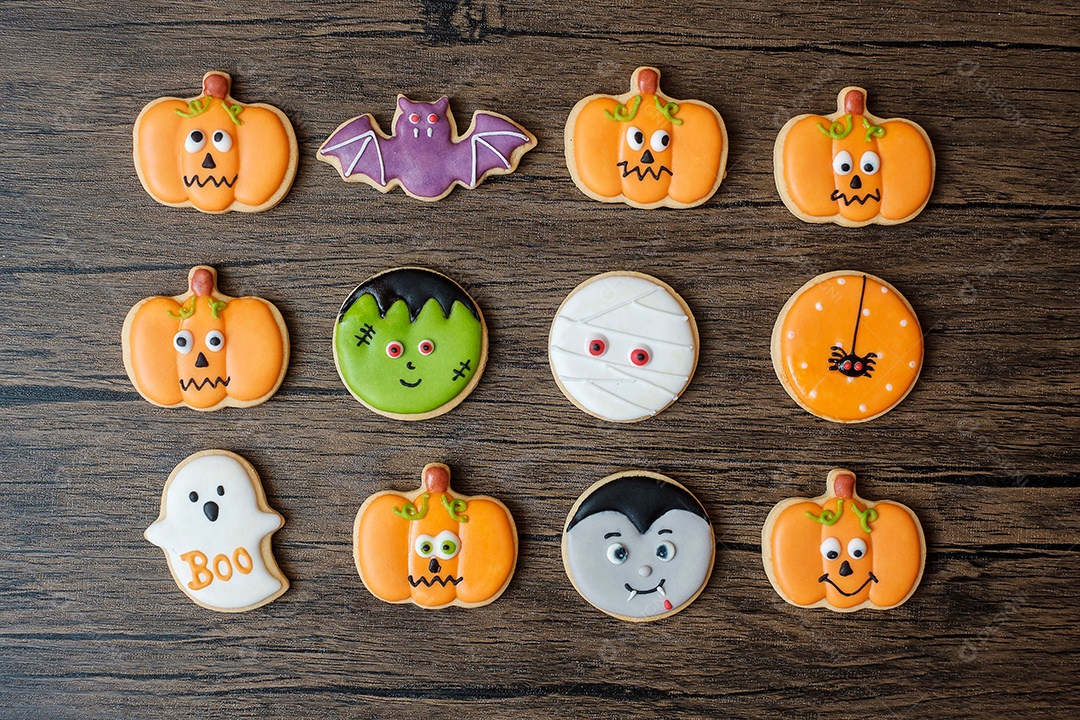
{"x": 837, "y": 195}
{"x": 826, "y": 578}
{"x": 410, "y": 385}
{"x": 218, "y": 182}
{"x": 634, "y": 593}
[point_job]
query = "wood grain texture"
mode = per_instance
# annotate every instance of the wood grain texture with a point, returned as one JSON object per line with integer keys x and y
{"x": 985, "y": 449}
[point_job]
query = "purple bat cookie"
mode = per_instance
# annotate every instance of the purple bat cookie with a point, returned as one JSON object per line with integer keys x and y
{"x": 425, "y": 155}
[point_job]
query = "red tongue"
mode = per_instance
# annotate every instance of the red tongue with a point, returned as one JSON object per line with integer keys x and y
{"x": 667, "y": 604}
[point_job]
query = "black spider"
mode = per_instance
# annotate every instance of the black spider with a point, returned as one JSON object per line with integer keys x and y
{"x": 851, "y": 364}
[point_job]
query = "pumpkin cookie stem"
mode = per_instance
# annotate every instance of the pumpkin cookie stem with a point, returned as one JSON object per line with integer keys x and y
{"x": 855, "y": 101}
{"x": 648, "y": 81}
{"x": 203, "y": 282}
{"x": 436, "y": 478}
{"x": 216, "y": 84}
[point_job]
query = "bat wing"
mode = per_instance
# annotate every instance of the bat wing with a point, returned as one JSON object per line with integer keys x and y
{"x": 497, "y": 145}
{"x": 355, "y": 150}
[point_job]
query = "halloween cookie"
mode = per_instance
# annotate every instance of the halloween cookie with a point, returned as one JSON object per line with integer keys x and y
{"x": 853, "y": 168}
{"x": 204, "y": 349}
{"x": 215, "y": 528}
{"x": 424, "y": 155}
{"x": 623, "y": 346}
{"x": 433, "y": 547}
{"x": 644, "y": 149}
{"x": 847, "y": 347}
{"x": 638, "y": 546}
{"x": 410, "y": 343}
{"x": 213, "y": 153}
{"x": 842, "y": 552}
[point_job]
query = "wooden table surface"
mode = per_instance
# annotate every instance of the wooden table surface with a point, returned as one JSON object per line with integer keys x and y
{"x": 984, "y": 449}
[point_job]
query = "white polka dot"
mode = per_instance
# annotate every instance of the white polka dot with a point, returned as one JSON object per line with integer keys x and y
{"x": 865, "y": 311}
{"x": 803, "y": 365}
{"x": 851, "y": 379}
{"x": 911, "y": 364}
{"x": 903, "y": 323}
{"x": 884, "y": 289}
{"x": 813, "y": 393}
{"x": 791, "y": 334}
{"x": 862, "y": 408}
{"x": 818, "y": 306}
{"x": 840, "y": 281}
{"x": 888, "y": 386}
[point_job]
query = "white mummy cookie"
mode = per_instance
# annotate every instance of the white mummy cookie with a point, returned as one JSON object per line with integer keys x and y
{"x": 215, "y": 529}
{"x": 623, "y": 346}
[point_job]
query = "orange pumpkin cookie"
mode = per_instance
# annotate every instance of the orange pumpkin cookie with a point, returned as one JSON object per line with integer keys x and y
{"x": 847, "y": 347}
{"x": 842, "y": 552}
{"x": 644, "y": 149}
{"x": 213, "y": 153}
{"x": 853, "y": 168}
{"x": 205, "y": 349}
{"x": 433, "y": 547}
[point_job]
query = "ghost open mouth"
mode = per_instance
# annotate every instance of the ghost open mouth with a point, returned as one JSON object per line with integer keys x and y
{"x": 203, "y": 182}
{"x": 641, "y": 172}
{"x": 430, "y": 582}
{"x": 837, "y": 195}
{"x": 192, "y": 383}
{"x": 635, "y": 592}
{"x": 410, "y": 385}
{"x": 826, "y": 578}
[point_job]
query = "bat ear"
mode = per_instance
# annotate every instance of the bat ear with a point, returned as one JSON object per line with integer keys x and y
{"x": 442, "y": 104}
{"x": 403, "y": 103}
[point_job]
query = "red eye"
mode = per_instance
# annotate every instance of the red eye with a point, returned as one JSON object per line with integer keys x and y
{"x": 433, "y": 118}
{"x": 597, "y": 347}
{"x": 640, "y": 356}
{"x": 414, "y": 118}
{"x": 394, "y": 349}
{"x": 426, "y": 347}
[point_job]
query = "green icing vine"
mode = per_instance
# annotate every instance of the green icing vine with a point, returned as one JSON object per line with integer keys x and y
{"x": 838, "y": 130}
{"x": 828, "y": 517}
{"x": 621, "y": 113}
{"x": 871, "y": 130}
{"x": 409, "y": 512}
{"x": 234, "y": 111}
{"x": 216, "y": 306}
{"x": 866, "y": 517}
{"x": 455, "y": 507}
{"x": 668, "y": 110}
{"x": 196, "y": 107}
{"x": 185, "y": 312}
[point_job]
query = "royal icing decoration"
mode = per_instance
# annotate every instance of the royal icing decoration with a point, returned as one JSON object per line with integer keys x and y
{"x": 215, "y": 528}
{"x": 433, "y": 547}
{"x": 853, "y": 168}
{"x": 847, "y": 347}
{"x": 638, "y": 545}
{"x": 623, "y": 346}
{"x": 410, "y": 343}
{"x": 842, "y": 552}
{"x": 425, "y": 155}
{"x": 204, "y": 349}
{"x": 214, "y": 153}
{"x": 645, "y": 149}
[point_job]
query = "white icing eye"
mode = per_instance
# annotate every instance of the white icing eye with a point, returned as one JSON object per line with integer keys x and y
{"x": 394, "y": 349}
{"x": 830, "y": 548}
{"x": 215, "y": 340}
{"x": 870, "y": 163}
{"x": 856, "y": 548}
{"x": 640, "y": 356}
{"x": 426, "y": 347}
{"x": 447, "y": 544}
{"x": 597, "y": 346}
{"x": 222, "y": 140}
{"x": 665, "y": 551}
{"x": 635, "y": 138}
{"x": 617, "y": 553}
{"x": 183, "y": 341}
{"x": 660, "y": 141}
{"x": 842, "y": 164}
{"x": 195, "y": 141}
{"x": 424, "y": 546}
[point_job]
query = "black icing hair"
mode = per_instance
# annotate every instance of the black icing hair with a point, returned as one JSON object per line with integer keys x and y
{"x": 413, "y": 285}
{"x": 642, "y": 499}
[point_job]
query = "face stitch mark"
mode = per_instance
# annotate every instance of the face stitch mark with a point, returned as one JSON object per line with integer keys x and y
{"x": 460, "y": 371}
{"x": 368, "y": 333}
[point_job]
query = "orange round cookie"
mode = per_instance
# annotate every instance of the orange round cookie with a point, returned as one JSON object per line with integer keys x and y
{"x": 847, "y": 347}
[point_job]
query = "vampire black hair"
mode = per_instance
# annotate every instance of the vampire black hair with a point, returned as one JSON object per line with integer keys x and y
{"x": 413, "y": 285}
{"x": 640, "y": 498}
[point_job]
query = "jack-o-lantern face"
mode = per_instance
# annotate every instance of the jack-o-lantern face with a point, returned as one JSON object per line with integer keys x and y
{"x": 434, "y": 548}
{"x": 205, "y": 349}
{"x": 214, "y": 153}
{"x": 842, "y": 552}
{"x": 853, "y": 168}
{"x": 645, "y": 149}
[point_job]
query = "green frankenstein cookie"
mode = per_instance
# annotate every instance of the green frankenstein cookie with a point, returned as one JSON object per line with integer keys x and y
{"x": 410, "y": 343}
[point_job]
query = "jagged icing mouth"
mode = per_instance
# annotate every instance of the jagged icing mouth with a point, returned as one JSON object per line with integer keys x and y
{"x": 837, "y": 195}
{"x": 218, "y": 182}
{"x": 192, "y": 383}
{"x": 826, "y": 578}
{"x": 430, "y": 582}
{"x": 641, "y": 172}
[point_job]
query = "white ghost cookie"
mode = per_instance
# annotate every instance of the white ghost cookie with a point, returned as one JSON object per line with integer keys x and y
{"x": 215, "y": 528}
{"x": 623, "y": 346}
